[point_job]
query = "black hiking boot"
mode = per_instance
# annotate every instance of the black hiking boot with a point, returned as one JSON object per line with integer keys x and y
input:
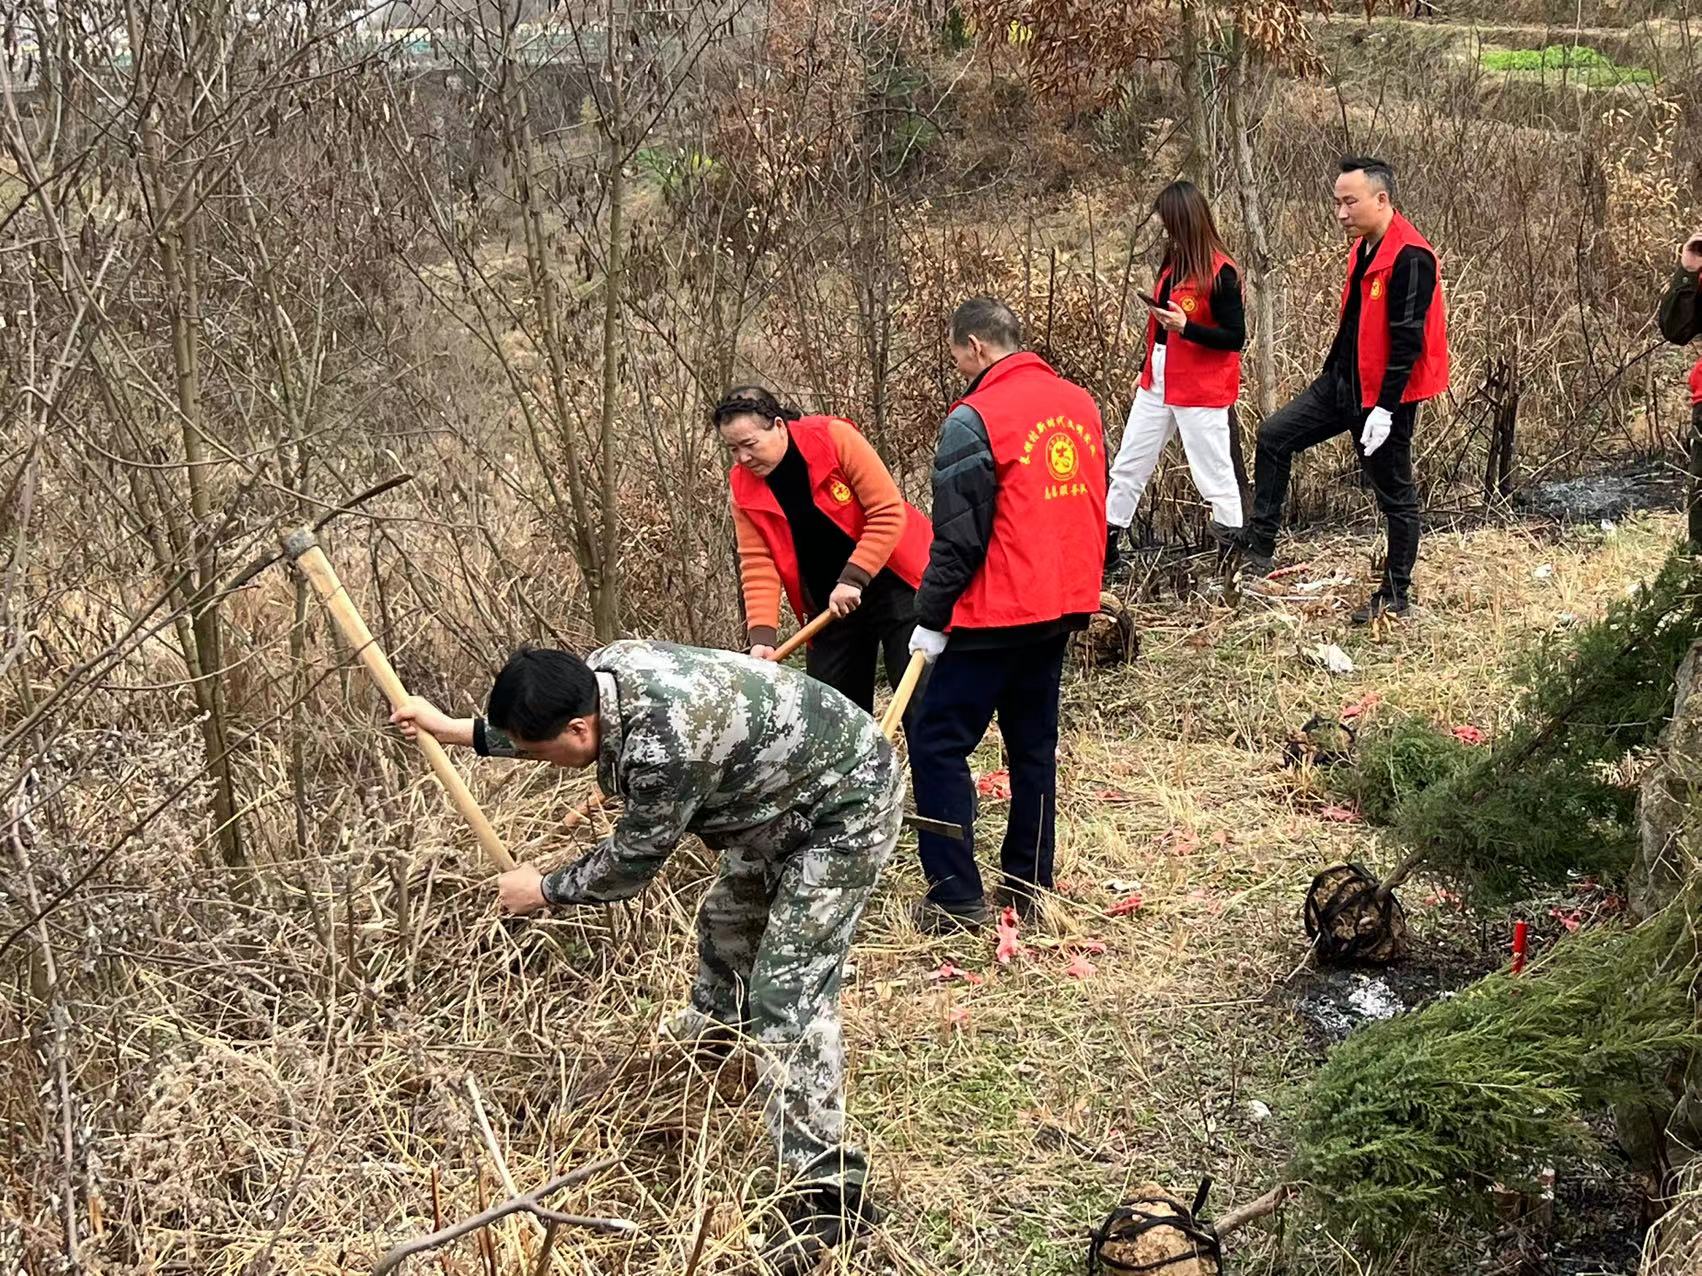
{"x": 1024, "y": 899}
{"x": 949, "y": 919}
{"x": 1254, "y": 561}
{"x": 1116, "y": 566}
{"x": 1381, "y": 604}
{"x": 817, "y": 1221}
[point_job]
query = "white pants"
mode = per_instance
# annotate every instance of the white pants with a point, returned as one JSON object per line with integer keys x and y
{"x": 1205, "y": 439}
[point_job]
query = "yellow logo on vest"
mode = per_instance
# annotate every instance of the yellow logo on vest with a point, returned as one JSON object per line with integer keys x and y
{"x": 1061, "y": 457}
{"x": 1062, "y": 442}
{"x": 839, "y": 491}
{"x": 1376, "y": 289}
{"x": 1189, "y": 305}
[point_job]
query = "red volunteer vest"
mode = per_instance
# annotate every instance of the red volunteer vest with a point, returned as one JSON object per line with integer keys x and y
{"x": 1430, "y": 374}
{"x": 835, "y": 498}
{"x": 1195, "y": 376}
{"x": 1696, "y": 382}
{"x": 1047, "y": 550}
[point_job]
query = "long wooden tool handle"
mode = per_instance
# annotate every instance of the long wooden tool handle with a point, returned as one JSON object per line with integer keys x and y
{"x": 302, "y": 547}
{"x": 902, "y": 693}
{"x": 798, "y": 639}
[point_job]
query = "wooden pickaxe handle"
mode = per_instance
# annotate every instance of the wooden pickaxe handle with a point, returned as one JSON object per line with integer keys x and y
{"x": 798, "y": 639}
{"x": 304, "y": 551}
{"x": 901, "y": 694}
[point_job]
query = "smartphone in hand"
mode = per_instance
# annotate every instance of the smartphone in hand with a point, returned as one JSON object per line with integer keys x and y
{"x": 1149, "y": 299}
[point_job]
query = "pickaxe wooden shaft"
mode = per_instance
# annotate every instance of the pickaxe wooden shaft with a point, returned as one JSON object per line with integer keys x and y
{"x": 303, "y": 550}
{"x": 901, "y": 695}
{"x": 809, "y": 631}
{"x": 889, "y": 726}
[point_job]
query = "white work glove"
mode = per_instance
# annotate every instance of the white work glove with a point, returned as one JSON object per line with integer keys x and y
{"x": 1376, "y": 432}
{"x": 930, "y": 642}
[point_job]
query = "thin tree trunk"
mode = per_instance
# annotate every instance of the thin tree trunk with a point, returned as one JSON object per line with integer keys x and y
{"x": 1257, "y": 251}
{"x": 593, "y": 543}
{"x": 176, "y": 240}
{"x": 606, "y": 600}
{"x": 1194, "y": 96}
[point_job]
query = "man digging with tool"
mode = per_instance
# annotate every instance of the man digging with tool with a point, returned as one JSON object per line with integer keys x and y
{"x": 799, "y": 792}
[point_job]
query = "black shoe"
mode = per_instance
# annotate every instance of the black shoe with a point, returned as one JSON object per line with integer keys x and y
{"x": 815, "y": 1222}
{"x": 1222, "y": 535}
{"x": 1026, "y": 901}
{"x": 1381, "y": 604}
{"x": 1254, "y": 561}
{"x": 1116, "y": 566}
{"x": 946, "y": 919}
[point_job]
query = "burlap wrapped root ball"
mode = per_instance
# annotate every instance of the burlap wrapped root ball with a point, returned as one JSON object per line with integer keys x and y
{"x": 1153, "y": 1232}
{"x": 1110, "y": 637}
{"x": 1346, "y": 922}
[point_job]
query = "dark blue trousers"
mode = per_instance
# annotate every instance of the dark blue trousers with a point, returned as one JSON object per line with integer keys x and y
{"x": 967, "y": 688}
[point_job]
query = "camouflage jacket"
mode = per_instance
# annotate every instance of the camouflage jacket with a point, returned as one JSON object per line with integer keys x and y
{"x": 727, "y": 747}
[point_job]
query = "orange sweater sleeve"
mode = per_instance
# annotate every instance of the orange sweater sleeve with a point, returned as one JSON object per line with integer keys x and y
{"x": 883, "y": 507}
{"x": 760, "y": 581}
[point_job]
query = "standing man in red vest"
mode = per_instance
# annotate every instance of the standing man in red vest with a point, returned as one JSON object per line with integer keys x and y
{"x": 1390, "y": 354}
{"x": 1019, "y": 539}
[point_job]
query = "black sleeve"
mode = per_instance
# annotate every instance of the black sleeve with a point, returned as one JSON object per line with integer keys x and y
{"x": 965, "y": 489}
{"x": 1680, "y": 318}
{"x": 1412, "y": 284}
{"x": 1229, "y": 332}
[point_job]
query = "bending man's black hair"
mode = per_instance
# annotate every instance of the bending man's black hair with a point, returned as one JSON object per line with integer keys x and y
{"x": 540, "y": 691}
{"x": 752, "y": 400}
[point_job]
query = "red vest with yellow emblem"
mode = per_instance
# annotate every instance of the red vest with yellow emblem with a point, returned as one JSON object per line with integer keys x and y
{"x": 1195, "y": 376}
{"x": 1430, "y": 374}
{"x": 1047, "y": 550}
{"x": 833, "y": 497}
{"x": 1696, "y": 382}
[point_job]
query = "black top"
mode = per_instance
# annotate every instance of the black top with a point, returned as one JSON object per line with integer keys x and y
{"x": 821, "y": 546}
{"x": 1681, "y": 316}
{"x": 1229, "y": 329}
{"x": 1412, "y": 283}
{"x": 966, "y": 492}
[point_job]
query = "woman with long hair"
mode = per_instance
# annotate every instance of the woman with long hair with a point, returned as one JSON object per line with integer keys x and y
{"x": 819, "y": 518}
{"x": 1192, "y": 372}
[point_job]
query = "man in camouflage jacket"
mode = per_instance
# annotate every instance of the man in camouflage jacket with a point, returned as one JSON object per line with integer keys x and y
{"x": 799, "y": 792}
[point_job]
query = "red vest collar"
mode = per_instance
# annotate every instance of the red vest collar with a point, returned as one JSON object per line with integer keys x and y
{"x": 996, "y": 372}
{"x": 1401, "y": 232}
{"x": 1218, "y": 261}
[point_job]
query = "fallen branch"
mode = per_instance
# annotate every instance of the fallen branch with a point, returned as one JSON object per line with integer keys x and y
{"x": 1265, "y": 1206}
{"x": 529, "y": 1202}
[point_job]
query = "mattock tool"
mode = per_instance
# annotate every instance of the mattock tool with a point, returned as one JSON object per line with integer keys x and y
{"x": 889, "y": 728}
{"x": 303, "y": 550}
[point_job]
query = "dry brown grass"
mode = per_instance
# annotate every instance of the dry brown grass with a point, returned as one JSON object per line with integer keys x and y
{"x": 285, "y": 1086}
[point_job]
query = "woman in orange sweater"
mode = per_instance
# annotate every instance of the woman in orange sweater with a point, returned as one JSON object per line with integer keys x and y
{"x": 819, "y": 519}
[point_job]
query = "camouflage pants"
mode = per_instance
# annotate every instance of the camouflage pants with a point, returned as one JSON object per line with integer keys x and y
{"x": 773, "y": 935}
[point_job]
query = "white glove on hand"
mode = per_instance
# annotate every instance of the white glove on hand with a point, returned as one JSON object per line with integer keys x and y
{"x": 1376, "y": 432}
{"x": 930, "y": 642}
